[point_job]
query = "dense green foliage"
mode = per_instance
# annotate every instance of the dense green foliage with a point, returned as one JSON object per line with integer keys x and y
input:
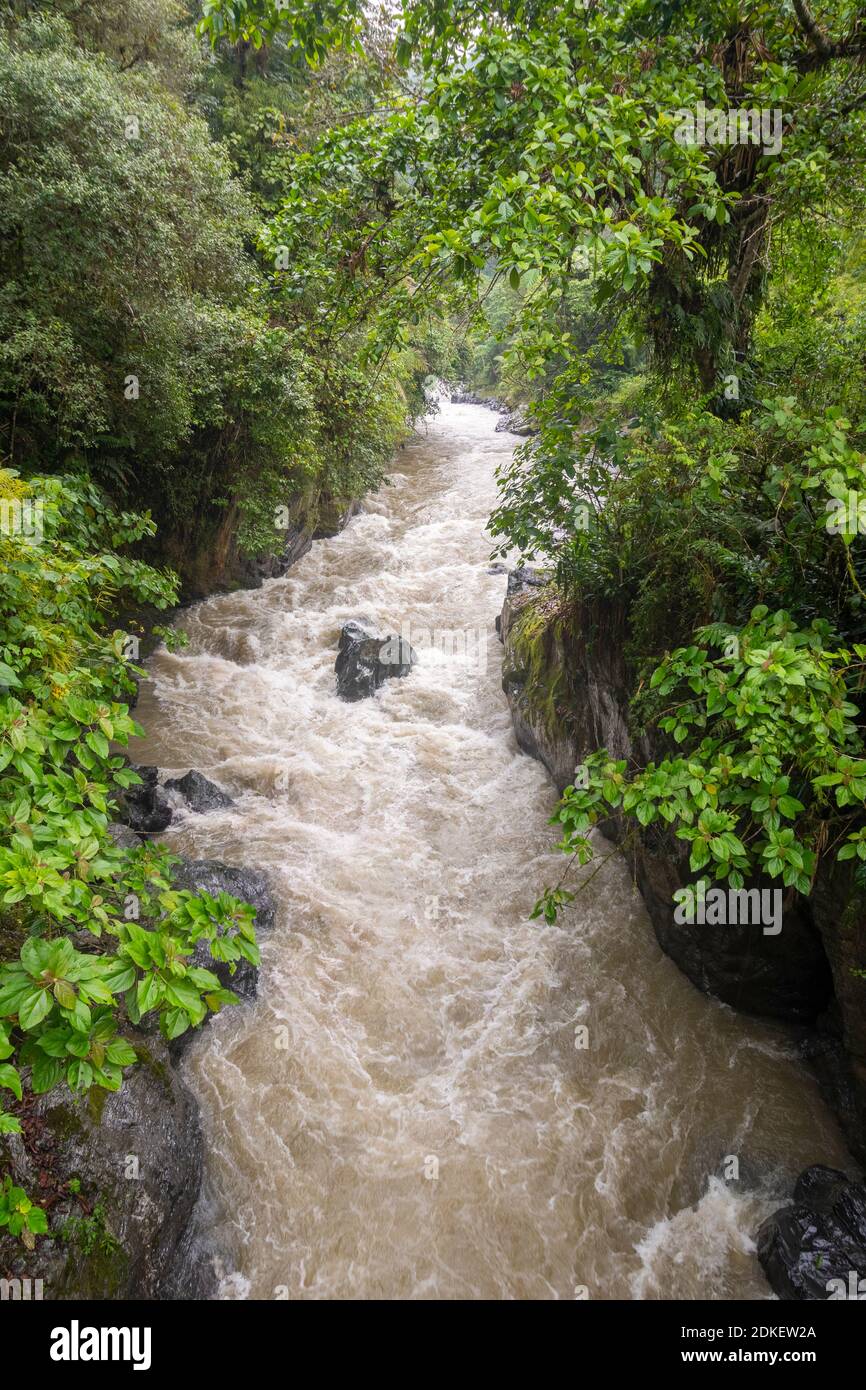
{"x": 557, "y": 146}
{"x": 92, "y": 935}
{"x": 146, "y": 363}
{"x": 231, "y": 255}
{"x": 145, "y": 342}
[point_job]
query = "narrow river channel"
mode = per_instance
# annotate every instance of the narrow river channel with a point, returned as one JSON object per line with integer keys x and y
{"x": 404, "y": 1112}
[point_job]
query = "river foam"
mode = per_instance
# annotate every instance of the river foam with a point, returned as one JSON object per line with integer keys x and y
{"x": 404, "y": 1113}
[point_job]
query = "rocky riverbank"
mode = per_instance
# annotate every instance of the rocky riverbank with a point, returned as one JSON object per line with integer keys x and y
{"x": 119, "y": 1173}
{"x": 512, "y": 420}
{"x": 567, "y": 686}
{"x": 210, "y": 560}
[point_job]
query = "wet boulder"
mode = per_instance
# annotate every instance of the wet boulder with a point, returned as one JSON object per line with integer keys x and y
{"x": 118, "y": 1173}
{"x": 514, "y": 422}
{"x": 333, "y": 517}
{"x": 523, "y": 584}
{"x": 199, "y": 793}
{"x": 145, "y": 808}
{"x": 123, "y": 836}
{"x": 463, "y": 397}
{"x": 815, "y": 1249}
{"x": 365, "y": 660}
{"x": 251, "y": 886}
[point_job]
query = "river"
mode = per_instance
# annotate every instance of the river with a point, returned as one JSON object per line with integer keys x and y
{"x": 406, "y": 1112}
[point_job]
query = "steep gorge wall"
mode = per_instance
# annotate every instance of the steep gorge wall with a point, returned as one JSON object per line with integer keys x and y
{"x": 567, "y": 685}
{"x": 209, "y": 559}
{"x": 119, "y": 1173}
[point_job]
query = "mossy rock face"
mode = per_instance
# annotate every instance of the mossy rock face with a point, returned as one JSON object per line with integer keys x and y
{"x": 569, "y": 686}
{"x": 210, "y": 559}
{"x": 536, "y": 673}
{"x": 332, "y": 514}
{"x": 134, "y": 1158}
{"x": 838, "y": 905}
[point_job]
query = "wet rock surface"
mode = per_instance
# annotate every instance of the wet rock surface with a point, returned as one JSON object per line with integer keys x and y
{"x": 815, "y": 1249}
{"x": 135, "y": 1156}
{"x": 568, "y": 692}
{"x": 568, "y": 689}
{"x": 461, "y": 397}
{"x": 365, "y": 660}
{"x": 522, "y": 585}
{"x": 199, "y": 793}
{"x": 515, "y": 422}
{"x": 145, "y": 808}
{"x": 333, "y": 518}
{"x": 251, "y": 886}
{"x": 252, "y": 571}
{"x": 124, "y": 836}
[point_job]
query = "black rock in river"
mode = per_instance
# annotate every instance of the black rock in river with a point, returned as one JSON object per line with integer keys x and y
{"x": 365, "y": 660}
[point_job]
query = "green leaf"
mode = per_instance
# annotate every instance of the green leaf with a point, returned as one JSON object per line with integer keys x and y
{"x": 121, "y": 1052}
{"x": 34, "y": 1007}
{"x": 37, "y": 1221}
{"x": 10, "y": 1079}
{"x": 45, "y": 1073}
{"x": 64, "y": 994}
{"x": 174, "y": 1022}
{"x": 79, "y": 1075}
{"x": 98, "y": 742}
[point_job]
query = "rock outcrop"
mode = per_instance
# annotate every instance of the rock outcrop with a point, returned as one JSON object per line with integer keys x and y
{"x": 124, "y": 836}
{"x": 462, "y": 397}
{"x": 119, "y": 1173}
{"x": 251, "y": 886}
{"x": 816, "y": 1247}
{"x": 148, "y": 809}
{"x": 333, "y": 518}
{"x": 515, "y": 422}
{"x": 209, "y": 558}
{"x": 145, "y": 808}
{"x": 199, "y": 793}
{"x": 568, "y": 686}
{"x": 365, "y": 660}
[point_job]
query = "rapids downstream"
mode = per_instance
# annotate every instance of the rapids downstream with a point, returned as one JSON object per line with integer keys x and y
{"x": 404, "y": 1113}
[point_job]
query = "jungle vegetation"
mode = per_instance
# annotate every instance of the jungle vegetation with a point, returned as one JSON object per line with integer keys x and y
{"x": 237, "y": 241}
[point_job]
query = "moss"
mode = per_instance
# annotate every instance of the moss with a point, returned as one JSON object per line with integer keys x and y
{"x": 64, "y": 1120}
{"x": 537, "y": 640}
{"x": 157, "y": 1067}
{"x": 96, "y": 1097}
{"x": 97, "y": 1263}
{"x": 104, "y": 1272}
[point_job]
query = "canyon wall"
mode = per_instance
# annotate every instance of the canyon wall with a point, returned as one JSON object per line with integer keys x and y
{"x": 567, "y": 685}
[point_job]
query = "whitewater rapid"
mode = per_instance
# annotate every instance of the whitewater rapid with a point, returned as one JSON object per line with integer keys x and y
{"x": 407, "y": 1111}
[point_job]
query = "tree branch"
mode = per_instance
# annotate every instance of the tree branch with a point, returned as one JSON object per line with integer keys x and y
{"x": 825, "y": 49}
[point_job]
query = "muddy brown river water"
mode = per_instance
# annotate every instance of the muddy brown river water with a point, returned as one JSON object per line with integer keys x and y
{"x": 405, "y": 1113}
